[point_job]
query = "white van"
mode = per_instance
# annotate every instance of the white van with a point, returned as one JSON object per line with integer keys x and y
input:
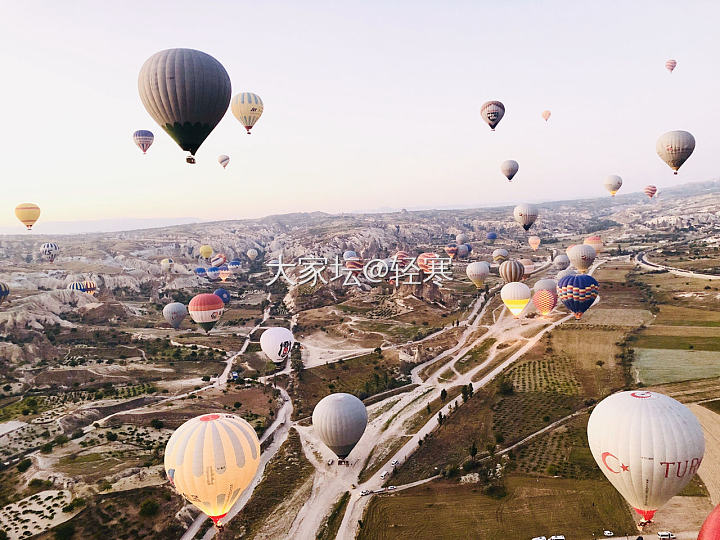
{"x": 666, "y": 534}
{"x": 557, "y": 537}
{"x": 384, "y": 474}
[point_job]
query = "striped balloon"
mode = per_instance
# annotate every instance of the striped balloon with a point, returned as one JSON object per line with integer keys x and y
{"x": 247, "y": 108}
{"x": 49, "y": 250}
{"x": 90, "y": 287}
{"x": 546, "y": 115}
{"x": 218, "y": 259}
{"x": 28, "y": 214}
{"x": 223, "y": 160}
{"x": 545, "y": 301}
{"x": 670, "y": 65}
{"x": 426, "y": 262}
{"x": 234, "y": 266}
{"x": 143, "y": 139}
{"x": 211, "y": 460}
{"x": 77, "y": 286}
{"x": 500, "y": 254}
{"x": 206, "y": 310}
{"x": 4, "y": 291}
{"x": 200, "y": 271}
{"x": 355, "y": 265}
{"x": 595, "y": 242}
{"x": 650, "y": 191}
{"x": 578, "y": 293}
{"x": 212, "y": 272}
{"x": 492, "y": 112}
{"x": 402, "y": 259}
{"x": 451, "y": 250}
{"x": 224, "y": 272}
{"x": 545, "y": 284}
{"x": 512, "y": 271}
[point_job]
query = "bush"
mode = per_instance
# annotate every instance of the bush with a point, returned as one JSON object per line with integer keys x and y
{"x": 46, "y": 448}
{"x": 157, "y": 423}
{"x": 110, "y": 436}
{"x": 206, "y": 378}
{"x": 64, "y": 531}
{"x": 149, "y": 508}
{"x": 24, "y": 465}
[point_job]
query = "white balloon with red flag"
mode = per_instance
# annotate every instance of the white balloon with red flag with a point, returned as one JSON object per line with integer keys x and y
{"x": 648, "y": 445}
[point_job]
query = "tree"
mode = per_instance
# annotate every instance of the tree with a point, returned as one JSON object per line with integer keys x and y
{"x": 206, "y": 378}
{"x": 149, "y": 507}
{"x": 473, "y": 451}
{"x": 440, "y": 418}
{"x": 443, "y": 395}
{"x": 110, "y": 436}
{"x": 157, "y": 423}
{"x": 429, "y": 410}
{"x": 65, "y": 531}
{"x": 24, "y": 465}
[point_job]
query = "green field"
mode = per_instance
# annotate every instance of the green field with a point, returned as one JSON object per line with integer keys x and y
{"x": 534, "y": 507}
{"x": 659, "y": 366}
{"x": 697, "y": 343}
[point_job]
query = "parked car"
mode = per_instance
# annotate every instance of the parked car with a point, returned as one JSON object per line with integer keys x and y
{"x": 557, "y": 537}
{"x": 384, "y": 474}
{"x": 331, "y": 461}
{"x": 394, "y": 462}
{"x": 539, "y": 538}
{"x": 391, "y": 488}
{"x": 666, "y": 534}
{"x": 608, "y": 533}
{"x": 365, "y": 492}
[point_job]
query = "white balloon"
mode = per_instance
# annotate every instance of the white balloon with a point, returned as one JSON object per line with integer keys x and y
{"x": 582, "y": 256}
{"x": 647, "y": 444}
{"x": 340, "y": 421}
{"x": 276, "y": 343}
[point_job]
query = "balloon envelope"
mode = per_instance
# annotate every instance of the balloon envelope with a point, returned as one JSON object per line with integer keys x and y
{"x": 222, "y": 294}
{"x": 223, "y": 160}
{"x": 545, "y": 301}
{"x": 477, "y": 272}
{"x": 648, "y": 445}
{"x": 492, "y": 112}
{"x": 277, "y": 343}
{"x": 582, "y": 256}
{"x": 461, "y": 238}
{"x": 212, "y": 273}
{"x": 675, "y": 147}
{"x": 509, "y": 168}
{"x": 546, "y": 115}
{"x": 534, "y": 242}
{"x": 174, "y": 313}
{"x": 187, "y": 92}
{"x": 4, "y": 292}
{"x": 499, "y": 255}
{"x": 650, "y": 191}
{"x": 247, "y": 108}
{"x": 613, "y": 183}
{"x": 670, "y": 65}
{"x": 206, "y": 310}
{"x": 211, "y": 460}
{"x": 595, "y": 242}
{"x": 27, "y": 213}
{"x": 525, "y": 215}
{"x": 710, "y": 529}
{"x": 561, "y": 261}
{"x": 515, "y": 296}
{"x": 205, "y": 251}
{"x": 252, "y": 254}
{"x": 491, "y": 237}
{"x": 512, "y": 271}
{"x": 167, "y": 265}
{"x": 143, "y": 139}
{"x": 339, "y": 421}
{"x": 578, "y": 292}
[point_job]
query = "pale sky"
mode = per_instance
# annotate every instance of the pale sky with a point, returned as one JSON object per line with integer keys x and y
{"x": 367, "y": 104}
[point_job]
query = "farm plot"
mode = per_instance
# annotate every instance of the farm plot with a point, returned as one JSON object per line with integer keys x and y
{"x": 659, "y": 366}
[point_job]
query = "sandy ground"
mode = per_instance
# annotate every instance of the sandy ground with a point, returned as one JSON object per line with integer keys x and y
{"x": 12, "y": 425}
{"x": 709, "y": 471}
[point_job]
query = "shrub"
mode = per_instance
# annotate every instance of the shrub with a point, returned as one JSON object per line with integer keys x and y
{"x": 157, "y": 423}
{"x": 24, "y": 465}
{"x": 149, "y": 507}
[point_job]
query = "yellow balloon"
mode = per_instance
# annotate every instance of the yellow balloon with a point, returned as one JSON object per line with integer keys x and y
{"x": 211, "y": 460}
{"x": 28, "y": 213}
{"x": 206, "y": 251}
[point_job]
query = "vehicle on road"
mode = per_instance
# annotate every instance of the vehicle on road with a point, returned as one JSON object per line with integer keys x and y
{"x": 331, "y": 461}
{"x": 539, "y": 538}
{"x": 395, "y": 463}
{"x": 608, "y": 533}
{"x": 384, "y": 474}
{"x": 381, "y": 490}
{"x": 666, "y": 534}
{"x": 557, "y": 537}
{"x": 391, "y": 488}
{"x": 365, "y": 492}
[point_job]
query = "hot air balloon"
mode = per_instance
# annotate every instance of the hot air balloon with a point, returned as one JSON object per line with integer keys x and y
{"x": 349, "y": 254}
{"x": 516, "y": 296}
{"x": 224, "y": 272}
{"x": 167, "y": 265}
{"x": 247, "y": 108}
{"x": 205, "y": 252}
{"x": 200, "y": 271}
{"x": 402, "y": 259}
{"x": 546, "y": 115}
{"x": 567, "y": 249}
{"x": 77, "y": 286}
{"x": 595, "y": 242}
{"x": 545, "y": 284}
{"x": 90, "y": 287}
{"x": 578, "y": 293}
{"x": 509, "y": 168}
{"x": 4, "y": 292}
{"x": 174, "y": 314}
{"x": 469, "y": 246}
{"x": 545, "y": 301}
{"x": 648, "y": 445}
{"x": 451, "y": 250}
{"x": 499, "y": 255}
{"x": 206, "y": 310}
{"x": 492, "y": 112}
{"x": 650, "y": 191}
{"x": 355, "y": 265}
{"x": 512, "y": 271}
{"x": 28, "y": 214}
{"x": 49, "y": 250}
{"x": 143, "y": 139}
{"x": 670, "y": 65}
{"x": 218, "y": 260}
{"x": 211, "y": 460}
{"x": 582, "y": 256}
{"x": 525, "y": 215}
{"x": 710, "y": 529}
{"x": 212, "y": 273}
{"x": 223, "y": 160}
{"x": 675, "y": 147}
{"x": 235, "y": 265}
{"x": 534, "y": 242}
{"x": 477, "y": 272}
{"x": 491, "y": 237}
{"x": 561, "y": 261}
{"x": 461, "y": 238}
{"x": 566, "y": 272}
{"x": 463, "y": 250}
{"x": 427, "y": 262}
{"x": 276, "y": 343}
{"x": 187, "y": 92}
{"x": 339, "y": 421}
{"x": 613, "y": 183}
{"x": 222, "y": 294}
{"x": 252, "y": 254}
